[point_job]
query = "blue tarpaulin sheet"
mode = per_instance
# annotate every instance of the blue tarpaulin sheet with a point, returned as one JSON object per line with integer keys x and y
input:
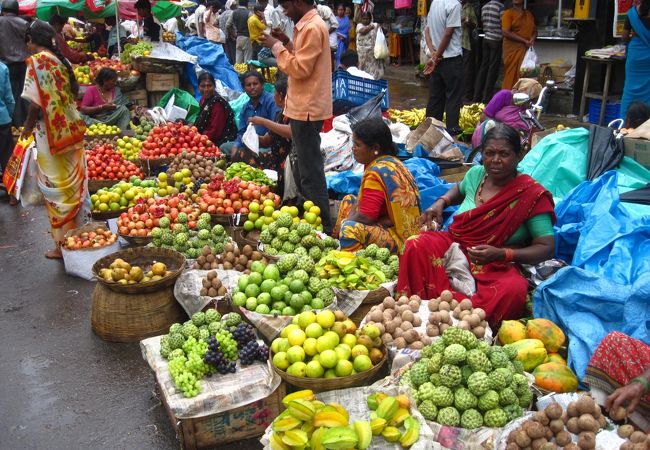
{"x": 607, "y": 286}
{"x": 425, "y": 172}
{"x": 211, "y": 58}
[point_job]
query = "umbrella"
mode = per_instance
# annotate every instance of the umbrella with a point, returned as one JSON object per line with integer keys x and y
{"x": 27, "y": 7}
{"x": 605, "y": 151}
{"x": 90, "y": 9}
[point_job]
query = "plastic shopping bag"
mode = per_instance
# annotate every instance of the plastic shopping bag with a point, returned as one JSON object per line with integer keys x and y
{"x": 381, "y": 47}
{"x": 29, "y": 193}
{"x": 529, "y": 67}
{"x": 251, "y": 140}
{"x": 16, "y": 165}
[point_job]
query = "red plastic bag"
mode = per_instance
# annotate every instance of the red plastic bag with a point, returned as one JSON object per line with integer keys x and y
{"x": 16, "y": 165}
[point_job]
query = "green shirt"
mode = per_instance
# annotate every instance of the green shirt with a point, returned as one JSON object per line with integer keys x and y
{"x": 469, "y": 14}
{"x": 537, "y": 226}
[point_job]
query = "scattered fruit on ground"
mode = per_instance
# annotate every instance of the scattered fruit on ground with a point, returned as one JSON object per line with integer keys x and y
{"x": 123, "y": 195}
{"x": 129, "y": 147}
{"x": 397, "y": 321}
{"x": 230, "y": 257}
{"x": 247, "y": 173}
{"x": 462, "y": 381}
{"x": 193, "y": 167}
{"x": 100, "y": 129}
{"x": 122, "y": 272}
{"x": 348, "y": 271}
{"x": 443, "y": 308}
{"x": 189, "y": 237}
{"x": 97, "y": 238}
{"x": 104, "y": 163}
{"x": 171, "y": 139}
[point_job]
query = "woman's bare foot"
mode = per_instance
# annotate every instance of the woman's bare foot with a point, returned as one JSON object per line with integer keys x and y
{"x": 54, "y": 254}
{"x": 13, "y": 201}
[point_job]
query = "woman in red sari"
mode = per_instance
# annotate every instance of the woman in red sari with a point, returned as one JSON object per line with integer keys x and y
{"x": 504, "y": 218}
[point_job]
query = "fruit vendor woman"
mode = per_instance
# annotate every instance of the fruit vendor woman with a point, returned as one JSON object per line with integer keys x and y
{"x": 504, "y": 218}
{"x": 261, "y": 104}
{"x": 104, "y": 103}
{"x": 387, "y": 209}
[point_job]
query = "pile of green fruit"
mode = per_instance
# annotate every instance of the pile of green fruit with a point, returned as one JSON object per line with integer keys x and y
{"x": 247, "y": 173}
{"x": 142, "y": 131}
{"x": 286, "y": 288}
{"x": 141, "y": 48}
{"x": 365, "y": 270}
{"x": 309, "y": 423}
{"x": 285, "y": 236}
{"x": 462, "y": 381}
{"x": 129, "y": 147}
{"x": 190, "y": 243}
{"x": 122, "y": 194}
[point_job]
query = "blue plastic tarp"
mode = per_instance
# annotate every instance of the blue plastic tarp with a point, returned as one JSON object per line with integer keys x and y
{"x": 607, "y": 286}
{"x": 212, "y": 58}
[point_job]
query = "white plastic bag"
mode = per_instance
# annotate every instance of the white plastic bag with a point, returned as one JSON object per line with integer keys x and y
{"x": 381, "y": 47}
{"x": 251, "y": 140}
{"x": 529, "y": 67}
{"x": 30, "y": 194}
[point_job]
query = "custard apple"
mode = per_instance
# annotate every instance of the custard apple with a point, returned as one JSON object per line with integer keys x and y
{"x": 518, "y": 367}
{"x": 438, "y": 346}
{"x": 315, "y": 253}
{"x": 204, "y": 334}
{"x": 450, "y": 376}
{"x": 454, "y": 354}
{"x": 214, "y": 328}
{"x": 434, "y": 379}
{"x": 464, "y": 399}
{"x": 301, "y": 251}
{"x": 471, "y": 419}
{"x": 478, "y": 361}
{"x": 284, "y": 220}
{"x": 525, "y": 399}
{"x": 198, "y": 318}
{"x": 498, "y": 358}
{"x": 294, "y": 237}
{"x": 212, "y": 315}
{"x": 425, "y": 391}
{"x": 303, "y": 229}
{"x": 506, "y": 374}
{"x": 435, "y": 363}
{"x": 443, "y": 396}
{"x": 478, "y": 383}
{"x": 305, "y": 263}
{"x": 495, "y": 418}
{"x": 428, "y": 410}
{"x": 266, "y": 237}
{"x": 454, "y": 335}
{"x": 513, "y": 411}
{"x": 164, "y": 350}
{"x": 489, "y": 400}
{"x": 371, "y": 250}
{"x": 419, "y": 374}
{"x": 510, "y": 352}
{"x": 287, "y": 263}
{"x": 190, "y": 330}
{"x": 175, "y": 328}
{"x": 231, "y": 319}
{"x": 519, "y": 383}
{"x": 497, "y": 381}
{"x": 448, "y": 416}
{"x": 382, "y": 254}
{"x": 466, "y": 371}
{"x": 288, "y": 247}
{"x": 508, "y": 397}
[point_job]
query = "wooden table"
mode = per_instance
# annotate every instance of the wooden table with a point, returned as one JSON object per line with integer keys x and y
{"x": 604, "y": 96}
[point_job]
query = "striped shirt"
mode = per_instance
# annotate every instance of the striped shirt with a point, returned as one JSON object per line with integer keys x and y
{"x": 491, "y": 19}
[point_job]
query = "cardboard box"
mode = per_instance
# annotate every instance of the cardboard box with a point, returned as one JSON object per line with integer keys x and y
{"x": 157, "y": 82}
{"x": 638, "y": 150}
{"x": 138, "y": 96}
{"x": 246, "y": 422}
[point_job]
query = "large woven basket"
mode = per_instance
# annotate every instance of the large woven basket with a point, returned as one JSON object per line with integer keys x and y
{"x": 138, "y": 241}
{"x": 118, "y": 317}
{"x": 330, "y": 384}
{"x": 242, "y": 237}
{"x": 107, "y": 214}
{"x": 376, "y": 296}
{"x": 95, "y": 185}
{"x": 143, "y": 257}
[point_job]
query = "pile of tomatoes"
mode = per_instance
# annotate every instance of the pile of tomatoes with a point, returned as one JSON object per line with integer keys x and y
{"x": 171, "y": 139}
{"x": 233, "y": 196}
{"x": 140, "y": 219}
{"x": 105, "y": 163}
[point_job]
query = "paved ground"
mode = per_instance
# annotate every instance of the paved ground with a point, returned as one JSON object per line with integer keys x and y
{"x": 62, "y": 387}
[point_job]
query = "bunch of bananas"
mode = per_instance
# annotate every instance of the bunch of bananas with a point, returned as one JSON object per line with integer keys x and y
{"x": 241, "y": 68}
{"x": 470, "y": 116}
{"x": 410, "y": 117}
{"x": 309, "y": 423}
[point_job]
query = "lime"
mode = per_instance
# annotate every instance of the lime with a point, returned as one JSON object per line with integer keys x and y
{"x": 288, "y": 311}
{"x": 267, "y": 286}
{"x": 239, "y": 299}
{"x": 296, "y": 286}
{"x": 242, "y": 282}
{"x": 252, "y": 290}
{"x": 277, "y": 293}
{"x": 279, "y": 305}
{"x": 307, "y": 296}
{"x": 297, "y": 302}
{"x": 262, "y": 309}
{"x": 317, "y": 303}
{"x": 251, "y": 303}
{"x": 271, "y": 272}
{"x": 258, "y": 266}
{"x": 248, "y": 225}
{"x": 264, "y": 299}
{"x": 255, "y": 278}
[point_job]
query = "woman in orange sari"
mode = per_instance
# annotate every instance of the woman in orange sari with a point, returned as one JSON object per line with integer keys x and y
{"x": 50, "y": 87}
{"x": 504, "y": 218}
{"x": 386, "y": 212}
{"x": 519, "y": 33}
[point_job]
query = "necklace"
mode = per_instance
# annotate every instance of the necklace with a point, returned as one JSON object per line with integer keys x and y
{"x": 480, "y": 190}
{"x": 103, "y": 96}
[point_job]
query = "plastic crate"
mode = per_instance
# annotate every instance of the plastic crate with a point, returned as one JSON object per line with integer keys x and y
{"x": 612, "y": 111}
{"x": 358, "y": 90}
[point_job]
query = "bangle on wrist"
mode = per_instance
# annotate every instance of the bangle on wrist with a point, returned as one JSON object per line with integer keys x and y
{"x": 444, "y": 200}
{"x": 508, "y": 254}
{"x": 643, "y": 382}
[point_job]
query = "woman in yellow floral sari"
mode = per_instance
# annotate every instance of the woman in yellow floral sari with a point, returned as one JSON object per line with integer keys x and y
{"x": 386, "y": 211}
{"x": 50, "y": 87}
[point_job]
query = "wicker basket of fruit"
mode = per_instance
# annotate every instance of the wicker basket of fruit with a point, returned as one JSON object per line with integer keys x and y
{"x": 105, "y": 215}
{"x": 152, "y": 167}
{"x": 139, "y": 270}
{"x": 95, "y": 185}
{"x": 138, "y": 241}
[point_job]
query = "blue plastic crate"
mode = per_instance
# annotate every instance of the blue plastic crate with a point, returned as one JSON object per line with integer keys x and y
{"x": 357, "y": 90}
{"x": 612, "y": 111}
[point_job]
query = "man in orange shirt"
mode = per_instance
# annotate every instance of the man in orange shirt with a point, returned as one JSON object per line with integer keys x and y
{"x": 308, "y": 64}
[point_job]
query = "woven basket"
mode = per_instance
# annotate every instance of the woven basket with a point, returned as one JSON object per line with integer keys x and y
{"x": 143, "y": 257}
{"x": 242, "y": 237}
{"x": 330, "y": 384}
{"x": 376, "y": 296}
{"x": 95, "y": 185}
{"x": 138, "y": 241}
{"x": 107, "y": 214}
{"x": 118, "y": 317}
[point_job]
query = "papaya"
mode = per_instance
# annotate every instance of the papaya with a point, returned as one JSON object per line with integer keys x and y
{"x": 556, "y": 358}
{"x": 555, "y": 377}
{"x": 546, "y": 331}
{"x": 511, "y": 331}
{"x": 530, "y": 352}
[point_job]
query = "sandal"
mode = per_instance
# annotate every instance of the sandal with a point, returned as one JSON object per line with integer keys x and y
{"x": 13, "y": 201}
